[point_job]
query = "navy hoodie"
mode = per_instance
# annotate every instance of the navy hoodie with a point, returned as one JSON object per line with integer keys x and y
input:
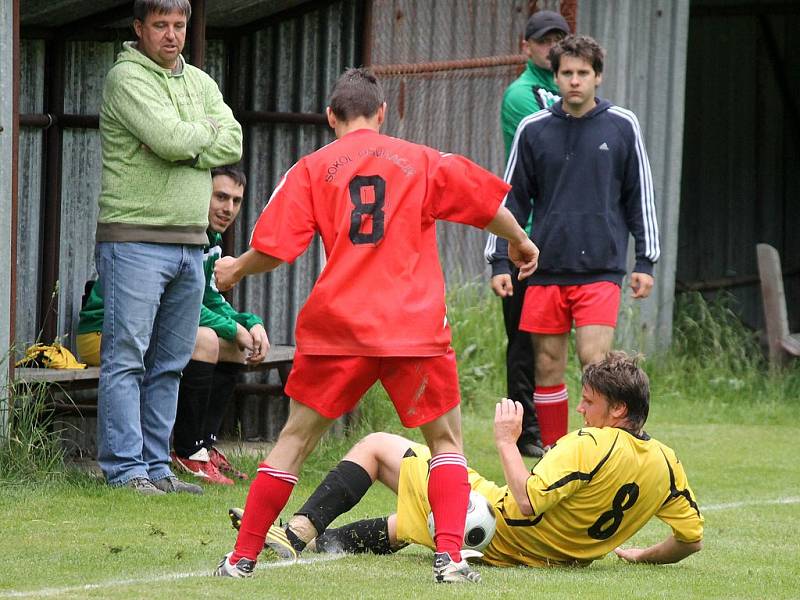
{"x": 588, "y": 182}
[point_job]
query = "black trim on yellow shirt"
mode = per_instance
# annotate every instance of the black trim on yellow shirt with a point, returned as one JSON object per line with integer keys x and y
{"x": 674, "y": 492}
{"x": 579, "y": 475}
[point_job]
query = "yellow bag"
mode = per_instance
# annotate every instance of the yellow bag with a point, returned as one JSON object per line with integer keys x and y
{"x": 54, "y": 356}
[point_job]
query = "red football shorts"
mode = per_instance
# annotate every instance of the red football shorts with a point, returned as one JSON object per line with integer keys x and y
{"x": 550, "y": 309}
{"x": 422, "y": 388}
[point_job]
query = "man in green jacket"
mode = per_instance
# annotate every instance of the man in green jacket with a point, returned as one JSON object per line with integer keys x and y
{"x": 226, "y": 341}
{"x": 163, "y": 126}
{"x": 534, "y": 90}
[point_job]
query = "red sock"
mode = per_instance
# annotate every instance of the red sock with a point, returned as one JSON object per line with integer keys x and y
{"x": 268, "y": 494}
{"x": 552, "y": 411}
{"x": 448, "y": 493}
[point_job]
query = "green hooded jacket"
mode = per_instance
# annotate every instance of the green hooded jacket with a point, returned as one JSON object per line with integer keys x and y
{"x": 162, "y": 131}
{"x": 215, "y": 313}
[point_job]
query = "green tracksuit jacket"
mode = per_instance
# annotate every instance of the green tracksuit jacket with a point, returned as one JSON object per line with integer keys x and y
{"x": 215, "y": 313}
{"x": 532, "y": 91}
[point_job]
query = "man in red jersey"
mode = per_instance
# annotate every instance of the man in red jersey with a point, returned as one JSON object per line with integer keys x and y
{"x": 377, "y": 311}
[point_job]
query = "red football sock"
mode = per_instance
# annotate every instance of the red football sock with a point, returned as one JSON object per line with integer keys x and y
{"x": 552, "y": 411}
{"x": 448, "y": 493}
{"x": 268, "y": 494}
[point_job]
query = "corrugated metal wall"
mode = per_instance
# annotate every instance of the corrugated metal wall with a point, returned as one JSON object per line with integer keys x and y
{"x": 31, "y": 147}
{"x": 287, "y": 67}
{"x": 86, "y": 66}
{"x": 742, "y": 152}
{"x": 6, "y": 167}
{"x": 644, "y": 71}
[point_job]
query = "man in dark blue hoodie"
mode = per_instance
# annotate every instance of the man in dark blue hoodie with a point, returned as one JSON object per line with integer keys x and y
{"x": 585, "y": 162}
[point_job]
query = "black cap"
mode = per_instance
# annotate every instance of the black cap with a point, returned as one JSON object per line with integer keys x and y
{"x": 543, "y": 22}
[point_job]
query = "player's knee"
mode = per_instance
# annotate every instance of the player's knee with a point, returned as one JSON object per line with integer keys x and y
{"x": 374, "y": 441}
{"x": 206, "y": 345}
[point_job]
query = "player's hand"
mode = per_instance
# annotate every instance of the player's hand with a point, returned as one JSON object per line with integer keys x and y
{"x": 244, "y": 341}
{"x": 631, "y": 555}
{"x": 260, "y": 344}
{"x": 502, "y": 285}
{"x": 641, "y": 284}
{"x": 507, "y": 422}
{"x": 525, "y": 256}
{"x": 225, "y": 275}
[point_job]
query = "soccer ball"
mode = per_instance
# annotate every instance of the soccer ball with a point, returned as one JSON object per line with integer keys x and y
{"x": 480, "y": 524}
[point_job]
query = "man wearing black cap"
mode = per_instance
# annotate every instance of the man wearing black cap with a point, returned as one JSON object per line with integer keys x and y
{"x": 532, "y": 91}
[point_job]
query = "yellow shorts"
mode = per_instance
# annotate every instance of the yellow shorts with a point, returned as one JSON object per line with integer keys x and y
{"x": 412, "y": 496}
{"x": 88, "y": 346}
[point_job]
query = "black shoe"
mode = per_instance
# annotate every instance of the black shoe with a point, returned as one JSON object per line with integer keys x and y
{"x": 171, "y": 485}
{"x": 530, "y": 449}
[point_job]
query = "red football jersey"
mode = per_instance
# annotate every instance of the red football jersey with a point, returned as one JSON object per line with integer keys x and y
{"x": 375, "y": 200}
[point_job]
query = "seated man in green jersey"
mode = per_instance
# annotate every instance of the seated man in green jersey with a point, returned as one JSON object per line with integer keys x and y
{"x": 591, "y": 492}
{"x": 226, "y": 340}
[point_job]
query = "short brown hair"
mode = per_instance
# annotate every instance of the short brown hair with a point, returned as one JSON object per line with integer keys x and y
{"x": 233, "y": 171}
{"x": 619, "y": 378}
{"x": 357, "y": 93}
{"x": 142, "y": 8}
{"x": 578, "y": 46}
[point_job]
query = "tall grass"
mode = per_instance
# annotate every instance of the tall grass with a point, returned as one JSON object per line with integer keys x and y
{"x": 30, "y": 448}
{"x": 716, "y": 365}
{"x": 479, "y": 339}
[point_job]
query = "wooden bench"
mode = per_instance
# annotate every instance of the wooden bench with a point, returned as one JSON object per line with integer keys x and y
{"x": 782, "y": 343}
{"x": 65, "y": 380}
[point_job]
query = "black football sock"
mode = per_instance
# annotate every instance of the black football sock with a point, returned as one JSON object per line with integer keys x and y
{"x": 368, "y": 535}
{"x": 192, "y": 399}
{"x": 342, "y": 488}
{"x": 221, "y": 393}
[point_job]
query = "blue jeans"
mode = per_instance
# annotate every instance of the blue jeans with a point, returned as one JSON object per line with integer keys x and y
{"x": 152, "y": 297}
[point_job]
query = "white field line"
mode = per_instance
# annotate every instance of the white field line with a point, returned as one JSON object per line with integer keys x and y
{"x": 158, "y": 578}
{"x": 730, "y": 505}
{"x": 287, "y": 563}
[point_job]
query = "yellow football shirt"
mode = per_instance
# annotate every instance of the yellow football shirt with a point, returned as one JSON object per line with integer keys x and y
{"x": 590, "y": 493}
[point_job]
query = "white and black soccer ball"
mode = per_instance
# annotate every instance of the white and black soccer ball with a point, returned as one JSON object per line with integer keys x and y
{"x": 480, "y": 524}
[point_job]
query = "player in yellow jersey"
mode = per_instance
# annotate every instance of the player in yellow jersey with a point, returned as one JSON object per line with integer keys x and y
{"x": 590, "y": 493}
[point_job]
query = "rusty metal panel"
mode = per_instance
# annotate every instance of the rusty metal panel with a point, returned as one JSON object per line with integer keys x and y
{"x": 456, "y": 110}
{"x": 413, "y": 31}
{"x": 645, "y": 67}
{"x": 30, "y": 192}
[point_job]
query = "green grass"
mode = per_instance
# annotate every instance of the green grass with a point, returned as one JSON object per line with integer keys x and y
{"x": 734, "y": 425}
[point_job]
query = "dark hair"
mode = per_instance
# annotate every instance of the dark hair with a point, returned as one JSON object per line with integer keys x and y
{"x": 233, "y": 171}
{"x": 578, "y": 46}
{"x": 142, "y": 8}
{"x": 620, "y": 379}
{"x": 357, "y": 93}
